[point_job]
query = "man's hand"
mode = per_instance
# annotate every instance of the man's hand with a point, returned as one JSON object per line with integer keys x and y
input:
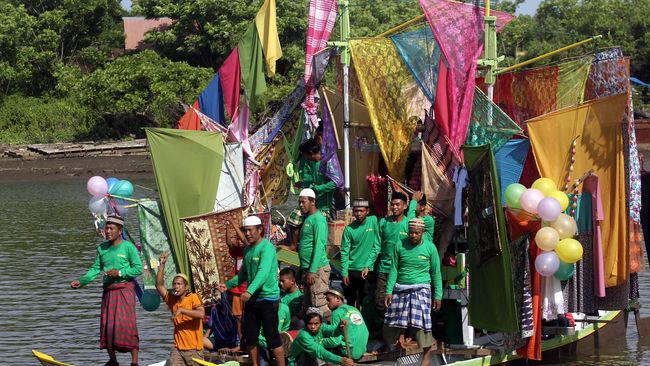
{"x": 245, "y": 296}
{"x": 364, "y": 273}
{"x": 347, "y": 361}
{"x": 75, "y": 284}
{"x": 112, "y": 273}
{"x": 311, "y": 278}
{"x": 417, "y": 196}
{"x": 222, "y": 288}
{"x": 343, "y": 323}
{"x": 178, "y": 312}
{"x": 163, "y": 258}
{"x": 388, "y": 299}
{"x": 437, "y": 304}
{"x": 346, "y": 280}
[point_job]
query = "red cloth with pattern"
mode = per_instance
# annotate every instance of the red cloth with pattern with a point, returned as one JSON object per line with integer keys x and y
{"x": 119, "y": 329}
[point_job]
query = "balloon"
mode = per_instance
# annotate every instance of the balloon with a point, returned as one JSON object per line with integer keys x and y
{"x": 120, "y": 207}
{"x": 122, "y": 188}
{"x": 569, "y": 250}
{"x": 547, "y": 238}
{"x": 530, "y": 199}
{"x": 512, "y": 194}
{"x": 150, "y": 300}
{"x": 544, "y": 185}
{"x": 97, "y": 205}
{"x": 111, "y": 182}
{"x": 561, "y": 197}
{"x": 565, "y": 226}
{"x": 565, "y": 271}
{"x": 97, "y": 186}
{"x": 549, "y": 209}
{"x": 547, "y": 263}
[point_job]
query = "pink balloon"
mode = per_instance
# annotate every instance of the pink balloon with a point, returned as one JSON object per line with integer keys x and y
{"x": 549, "y": 209}
{"x": 547, "y": 263}
{"x": 530, "y": 199}
{"x": 97, "y": 186}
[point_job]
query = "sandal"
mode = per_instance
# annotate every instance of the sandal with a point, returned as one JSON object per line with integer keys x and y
{"x": 112, "y": 363}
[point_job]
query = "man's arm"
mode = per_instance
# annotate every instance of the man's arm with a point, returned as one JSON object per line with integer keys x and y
{"x": 345, "y": 251}
{"x": 436, "y": 275}
{"x": 239, "y": 278}
{"x": 93, "y": 271}
{"x": 197, "y": 311}
{"x": 392, "y": 275}
{"x": 135, "y": 264}
{"x": 160, "y": 276}
{"x": 376, "y": 246}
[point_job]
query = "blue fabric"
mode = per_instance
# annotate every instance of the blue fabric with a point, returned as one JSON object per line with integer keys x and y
{"x": 584, "y": 213}
{"x": 211, "y": 101}
{"x": 638, "y": 82}
{"x": 421, "y": 54}
{"x": 510, "y": 161}
{"x": 410, "y": 309}
{"x": 223, "y": 324}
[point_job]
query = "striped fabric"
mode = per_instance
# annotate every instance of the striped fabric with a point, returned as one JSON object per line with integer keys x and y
{"x": 411, "y": 308}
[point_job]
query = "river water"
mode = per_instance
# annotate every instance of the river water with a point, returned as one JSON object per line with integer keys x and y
{"x": 47, "y": 240}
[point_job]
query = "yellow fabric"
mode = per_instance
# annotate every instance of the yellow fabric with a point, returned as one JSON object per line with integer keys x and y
{"x": 388, "y": 89}
{"x": 275, "y": 183}
{"x": 599, "y": 147}
{"x": 572, "y": 78}
{"x": 267, "y": 30}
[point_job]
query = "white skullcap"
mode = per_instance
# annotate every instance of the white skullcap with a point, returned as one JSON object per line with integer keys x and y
{"x": 308, "y": 192}
{"x": 252, "y": 221}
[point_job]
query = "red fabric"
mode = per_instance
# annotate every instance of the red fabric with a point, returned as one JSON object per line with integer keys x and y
{"x": 119, "y": 330}
{"x": 441, "y": 106}
{"x": 230, "y": 77}
{"x": 530, "y": 173}
{"x": 190, "y": 120}
{"x": 378, "y": 194}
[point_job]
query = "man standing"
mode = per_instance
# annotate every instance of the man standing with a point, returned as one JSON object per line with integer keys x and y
{"x": 419, "y": 206}
{"x": 314, "y": 265}
{"x": 359, "y": 249}
{"x": 119, "y": 262}
{"x": 261, "y": 299}
{"x": 356, "y": 328}
{"x": 311, "y": 176}
{"x": 188, "y": 312}
{"x": 415, "y": 270}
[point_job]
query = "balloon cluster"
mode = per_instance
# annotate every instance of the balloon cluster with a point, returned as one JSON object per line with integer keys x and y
{"x": 102, "y": 190}
{"x": 560, "y": 250}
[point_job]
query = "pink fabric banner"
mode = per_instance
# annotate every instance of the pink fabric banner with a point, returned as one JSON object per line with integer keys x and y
{"x": 230, "y": 76}
{"x": 322, "y": 16}
{"x": 459, "y": 30}
{"x": 238, "y": 130}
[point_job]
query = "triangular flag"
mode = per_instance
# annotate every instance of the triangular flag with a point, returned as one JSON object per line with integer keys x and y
{"x": 265, "y": 21}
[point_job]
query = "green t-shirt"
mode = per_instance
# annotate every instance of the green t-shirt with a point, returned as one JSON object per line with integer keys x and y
{"x": 313, "y": 242}
{"x": 284, "y": 320}
{"x": 391, "y": 233}
{"x": 429, "y": 222}
{"x": 260, "y": 270}
{"x": 293, "y": 301}
{"x": 311, "y": 177}
{"x": 357, "y": 330}
{"x": 313, "y": 346}
{"x": 123, "y": 257}
{"x": 360, "y": 245}
{"x": 416, "y": 264}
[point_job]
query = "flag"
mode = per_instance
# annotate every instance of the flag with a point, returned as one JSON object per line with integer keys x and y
{"x": 251, "y": 61}
{"x": 230, "y": 77}
{"x": 238, "y": 130}
{"x": 211, "y": 101}
{"x": 190, "y": 120}
{"x": 268, "y": 32}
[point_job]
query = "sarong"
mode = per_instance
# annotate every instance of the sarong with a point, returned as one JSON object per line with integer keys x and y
{"x": 410, "y": 308}
{"x": 119, "y": 330}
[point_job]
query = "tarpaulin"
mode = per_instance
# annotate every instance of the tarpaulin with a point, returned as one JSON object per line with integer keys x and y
{"x": 597, "y": 127}
{"x": 187, "y": 166}
{"x": 251, "y": 61}
{"x": 154, "y": 238}
{"x": 230, "y": 77}
{"x": 510, "y": 162}
{"x": 267, "y": 30}
{"x": 211, "y": 101}
{"x": 489, "y": 124}
{"x": 230, "y": 194}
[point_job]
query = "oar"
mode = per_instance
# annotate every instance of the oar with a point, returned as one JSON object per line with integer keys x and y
{"x": 347, "y": 343}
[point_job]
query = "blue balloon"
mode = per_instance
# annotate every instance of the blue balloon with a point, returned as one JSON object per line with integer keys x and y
{"x": 150, "y": 300}
{"x": 111, "y": 182}
{"x": 123, "y": 188}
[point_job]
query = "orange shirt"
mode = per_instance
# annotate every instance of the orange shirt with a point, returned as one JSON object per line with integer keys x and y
{"x": 188, "y": 331}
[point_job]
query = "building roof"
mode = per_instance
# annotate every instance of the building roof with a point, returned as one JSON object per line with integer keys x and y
{"x": 136, "y": 27}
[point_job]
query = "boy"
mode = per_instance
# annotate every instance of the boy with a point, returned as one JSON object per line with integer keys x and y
{"x": 292, "y": 295}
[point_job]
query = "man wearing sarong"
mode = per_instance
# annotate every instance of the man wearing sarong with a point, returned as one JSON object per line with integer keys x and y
{"x": 188, "y": 313}
{"x": 348, "y": 317}
{"x": 414, "y": 271}
{"x": 418, "y": 205}
{"x": 119, "y": 262}
{"x": 262, "y": 297}
{"x": 359, "y": 250}
{"x": 314, "y": 265}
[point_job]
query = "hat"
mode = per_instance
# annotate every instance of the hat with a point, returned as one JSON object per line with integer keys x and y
{"x": 335, "y": 291}
{"x": 115, "y": 219}
{"x": 313, "y": 310}
{"x": 360, "y": 202}
{"x": 308, "y": 192}
{"x": 252, "y": 221}
{"x": 183, "y": 276}
{"x": 416, "y": 223}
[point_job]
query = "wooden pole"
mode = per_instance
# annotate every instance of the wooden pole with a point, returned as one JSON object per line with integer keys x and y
{"x": 405, "y": 25}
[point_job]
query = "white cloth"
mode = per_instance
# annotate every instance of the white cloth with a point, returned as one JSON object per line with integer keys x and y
{"x": 460, "y": 181}
{"x": 552, "y": 298}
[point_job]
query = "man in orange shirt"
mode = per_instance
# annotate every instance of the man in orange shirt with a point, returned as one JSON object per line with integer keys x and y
{"x": 188, "y": 312}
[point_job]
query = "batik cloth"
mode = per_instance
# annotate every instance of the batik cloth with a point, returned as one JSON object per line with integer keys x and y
{"x": 489, "y": 124}
{"x": 119, "y": 329}
{"x": 410, "y": 307}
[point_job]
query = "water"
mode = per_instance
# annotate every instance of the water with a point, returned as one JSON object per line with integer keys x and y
{"x": 47, "y": 240}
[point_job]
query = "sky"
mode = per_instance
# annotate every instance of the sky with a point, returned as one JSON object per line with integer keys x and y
{"x": 528, "y": 7}
{"x": 126, "y": 4}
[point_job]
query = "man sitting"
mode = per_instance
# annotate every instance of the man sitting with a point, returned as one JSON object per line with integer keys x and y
{"x": 355, "y": 326}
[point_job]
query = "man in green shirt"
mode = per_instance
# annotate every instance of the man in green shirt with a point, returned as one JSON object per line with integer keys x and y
{"x": 292, "y": 295}
{"x": 309, "y": 346}
{"x": 356, "y": 328}
{"x": 314, "y": 265}
{"x": 418, "y": 205}
{"x": 261, "y": 299}
{"x": 359, "y": 249}
{"x": 119, "y": 262}
{"x": 413, "y": 281}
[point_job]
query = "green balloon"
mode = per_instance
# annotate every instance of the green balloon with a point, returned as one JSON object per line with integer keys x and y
{"x": 150, "y": 300}
{"x": 512, "y": 194}
{"x": 565, "y": 271}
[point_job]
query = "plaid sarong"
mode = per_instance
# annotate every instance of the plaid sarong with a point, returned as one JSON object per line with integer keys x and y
{"x": 411, "y": 307}
{"x": 119, "y": 330}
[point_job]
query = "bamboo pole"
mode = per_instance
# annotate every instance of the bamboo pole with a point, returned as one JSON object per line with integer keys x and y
{"x": 405, "y": 25}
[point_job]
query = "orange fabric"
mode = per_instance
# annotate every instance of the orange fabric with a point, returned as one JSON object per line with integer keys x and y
{"x": 188, "y": 331}
{"x": 190, "y": 120}
{"x": 237, "y": 305}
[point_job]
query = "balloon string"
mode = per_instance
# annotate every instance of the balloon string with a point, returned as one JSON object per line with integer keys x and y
{"x": 122, "y": 198}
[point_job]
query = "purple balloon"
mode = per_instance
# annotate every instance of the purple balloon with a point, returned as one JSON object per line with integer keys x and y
{"x": 97, "y": 186}
{"x": 547, "y": 263}
{"x": 549, "y": 209}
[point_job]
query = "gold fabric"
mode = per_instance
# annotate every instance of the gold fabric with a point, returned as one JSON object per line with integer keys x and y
{"x": 388, "y": 90}
{"x": 572, "y": 78}
{"x": 598, "y": 126}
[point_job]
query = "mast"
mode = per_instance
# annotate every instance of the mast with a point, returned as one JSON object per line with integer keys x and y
{"x": 344, "y": 25}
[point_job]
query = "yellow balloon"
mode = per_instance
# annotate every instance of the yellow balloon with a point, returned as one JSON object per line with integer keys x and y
{"x": 565, "y": 225}
{"x": 547, "y": 238}
{"x": 560, "y": 197}
{"x": 569, "y": 250}
{"x": 544, "y": 185}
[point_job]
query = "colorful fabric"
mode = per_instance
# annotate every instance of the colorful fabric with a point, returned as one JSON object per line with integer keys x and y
{"x": 123, "y": 257}
{"x": 510, "y": 163}
{"x": 267, "y": 30}
{"x": 252, "y": 181}
{"x": 410, "y": 308}
{"x": 195, "y": 158}
{"x": 211, "y": 101}
{"x": 489, "y": 124}
{"x": 322, "y": 16}
{"x": 437, "y": 187}
{"x": 458, "y": 28}
{"x": 378, "y": 194}
{"x": 251, "y": 61}
{"x": 572, "y": 78}
{"x": 592, "y": 123}
{"x": 421, "y": 54}
{"x": 273, "y": 179}
{"x": 329, "y": 162}
{"x": 118, "y": 327}
{"x": 154, "y": 238}
{"x": 190, "y": 120}
{"x": 188, "y": 331}
{"x": 387, "y": 88}
{"x": 230, "y": 77}
{"x": 591, "y": 186}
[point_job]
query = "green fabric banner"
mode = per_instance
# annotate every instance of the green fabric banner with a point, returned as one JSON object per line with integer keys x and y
{"x": 154, "y": 238}
{"x": 491, "y": 288}
{"x": 251, "y": 61}
{"x": 187, "y": 166}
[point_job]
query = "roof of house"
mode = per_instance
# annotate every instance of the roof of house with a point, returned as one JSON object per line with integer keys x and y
{"x": 136, "y": 27}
